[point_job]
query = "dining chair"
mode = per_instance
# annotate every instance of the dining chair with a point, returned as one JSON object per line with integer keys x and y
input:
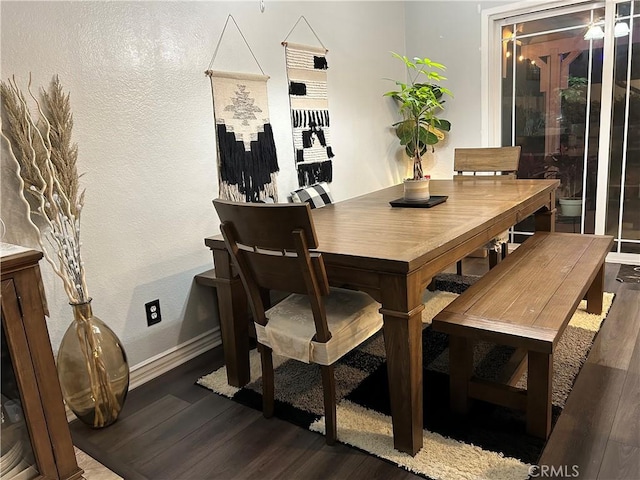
{"x": 487, "y": 163}
{"x": 273, "y": 248}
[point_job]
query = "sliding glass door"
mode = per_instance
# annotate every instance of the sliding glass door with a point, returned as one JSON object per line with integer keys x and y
{"x": 623, "y": 195}
{"x": 569, "y": 79}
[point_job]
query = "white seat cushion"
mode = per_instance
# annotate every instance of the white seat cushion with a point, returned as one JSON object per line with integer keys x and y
{"x": 494, "y": 243}
{"x": 352, "y": 318}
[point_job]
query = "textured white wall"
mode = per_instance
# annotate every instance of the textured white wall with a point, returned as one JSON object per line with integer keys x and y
{"x": 449, "y": 33}
{"x": 143, "y": 123}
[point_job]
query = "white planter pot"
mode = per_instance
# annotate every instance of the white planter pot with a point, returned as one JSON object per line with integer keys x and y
{"x": 571, "y": 207}
{"x": 416, "y": 190}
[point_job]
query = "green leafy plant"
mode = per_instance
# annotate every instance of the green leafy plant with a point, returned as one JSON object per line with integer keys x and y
{"x": 420, "y": 100}
{"x": 574, "y": 101}
{"x": 576, "y": 91}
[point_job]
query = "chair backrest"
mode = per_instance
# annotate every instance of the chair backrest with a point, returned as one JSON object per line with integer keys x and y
{"x": 271, "y": 248}
{"x": 490, "y": 160}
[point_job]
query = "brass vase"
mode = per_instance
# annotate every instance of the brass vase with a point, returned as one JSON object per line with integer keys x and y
{"x": 92, "y": 369}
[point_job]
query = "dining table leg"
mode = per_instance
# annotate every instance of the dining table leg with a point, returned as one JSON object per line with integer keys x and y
{"x": 234, "y": 325}
{"x": 545, "y": 218}
{"x": 402, "y": 314}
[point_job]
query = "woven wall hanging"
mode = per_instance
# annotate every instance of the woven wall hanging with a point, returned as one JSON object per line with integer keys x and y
{"x": 247, "y": 160}
{"x": 307, "y": 78}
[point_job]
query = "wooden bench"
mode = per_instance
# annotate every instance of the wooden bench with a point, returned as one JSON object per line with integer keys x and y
{"x": 525, "y": 302}
{"x": 208, "y": 279}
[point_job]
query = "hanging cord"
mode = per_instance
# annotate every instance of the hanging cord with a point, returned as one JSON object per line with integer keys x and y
{"x": 215, "y": 53}
{"x": 302, "y": 17}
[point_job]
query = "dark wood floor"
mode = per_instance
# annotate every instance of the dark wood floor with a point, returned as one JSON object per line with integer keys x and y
{"x": 172, "y": 429}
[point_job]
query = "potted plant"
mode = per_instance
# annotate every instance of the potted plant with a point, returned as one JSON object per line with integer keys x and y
{"x": 565, "y": 164}
{"x": 569, "y": 172}
{"x": 420, "y": 100}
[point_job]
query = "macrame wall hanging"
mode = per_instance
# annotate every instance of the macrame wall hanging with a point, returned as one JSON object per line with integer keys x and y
{"x": 247, "y": 160}
{"x": 307, "y": 78}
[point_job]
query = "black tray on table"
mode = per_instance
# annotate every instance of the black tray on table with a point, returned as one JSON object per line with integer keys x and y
{"x": 433, "y": 200}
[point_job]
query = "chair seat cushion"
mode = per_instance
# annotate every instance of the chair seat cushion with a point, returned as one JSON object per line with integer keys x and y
{"x": 352, "y": 317}
{"x": 494, "y": 243}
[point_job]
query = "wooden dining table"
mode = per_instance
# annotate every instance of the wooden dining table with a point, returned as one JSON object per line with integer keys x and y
{"x": 393, "y": 254}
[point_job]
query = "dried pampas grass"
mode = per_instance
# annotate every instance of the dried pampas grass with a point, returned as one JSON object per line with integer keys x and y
{"x": 45, "y": 156}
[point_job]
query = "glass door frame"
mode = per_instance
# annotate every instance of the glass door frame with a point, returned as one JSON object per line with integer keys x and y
{"x": 491, "y": 75}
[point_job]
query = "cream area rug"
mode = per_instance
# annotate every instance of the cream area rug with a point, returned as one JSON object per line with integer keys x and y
{"x": 490, "y": 443}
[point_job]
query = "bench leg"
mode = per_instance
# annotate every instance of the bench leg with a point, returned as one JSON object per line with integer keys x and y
{"x": 539, "y": 388}
{"x": 460, "y": 372}
{"x": 594, "y": 294}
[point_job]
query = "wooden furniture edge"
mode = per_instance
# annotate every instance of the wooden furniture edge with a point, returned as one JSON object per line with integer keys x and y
{"x": 532, "y": 338}
{"x": 24, "y": 310}
{"x": 19, "y": 261}
{"x": 539, "y": 341}
{"x": 457, "y": 323}
{"x": 208, "y": 278}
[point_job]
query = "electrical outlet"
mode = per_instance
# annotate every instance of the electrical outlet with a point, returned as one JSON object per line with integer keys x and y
{"x": 153, "y": 312}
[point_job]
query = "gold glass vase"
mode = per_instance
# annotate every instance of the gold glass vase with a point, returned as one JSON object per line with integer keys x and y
{"x": 92, "y": 368}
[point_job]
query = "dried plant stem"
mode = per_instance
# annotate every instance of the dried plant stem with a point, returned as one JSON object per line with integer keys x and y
{"x": 106, "y": 403}
{"x": 59, "y": 213}
{"x": 45, "y": 161}
{"x": 45, "y": 249}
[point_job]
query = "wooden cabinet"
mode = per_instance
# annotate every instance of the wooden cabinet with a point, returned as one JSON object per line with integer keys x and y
{"x": 35, "y": 439}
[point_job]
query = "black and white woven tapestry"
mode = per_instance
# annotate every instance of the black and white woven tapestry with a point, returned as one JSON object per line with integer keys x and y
{"x": 247, "y": 161}
{"x": 307, "y": 75}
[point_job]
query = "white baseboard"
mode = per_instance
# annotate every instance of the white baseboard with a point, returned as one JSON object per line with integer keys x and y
{"x": 163, "y": 362}
{"x": 169, "y": 359}
{"x": 627, "y": 258}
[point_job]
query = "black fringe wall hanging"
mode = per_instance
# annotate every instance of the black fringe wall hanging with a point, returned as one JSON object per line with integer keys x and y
{"x": 307, "y": 76}
{"x": 247, "y": 160}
